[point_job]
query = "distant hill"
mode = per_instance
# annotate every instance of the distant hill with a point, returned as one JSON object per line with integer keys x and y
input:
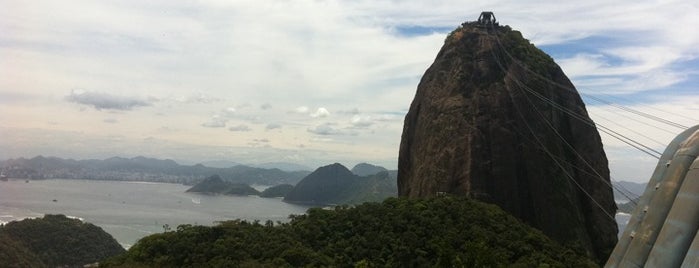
{"x": 220, "y": 164}
{"x": 335, "y": 184}
{"x": 54, "y": 241}
{"x": 632, "y": 189}
{"x": 277, "y": 191}
{"x": 215, "y": 185}
{"x": 289, "y": 167}
{"x": 141, "y": 169}
{"x": 364, "y": 169}
{"x": 628, "y": 207}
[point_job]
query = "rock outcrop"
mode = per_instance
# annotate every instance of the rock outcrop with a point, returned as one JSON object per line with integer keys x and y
{"x": 491, "y": 119}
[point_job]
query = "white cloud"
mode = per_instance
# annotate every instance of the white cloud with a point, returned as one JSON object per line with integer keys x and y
{"x": 241, "y": 128}
{"x": 301, "y": 110}
{"x": 350, "y": 56}
{"x": 352, "y": 111}
{"x": 582, "y": 64}
{"x": 198, "y": 97}
{"x": 259, "y": 143}
{"x": 216, "y": 121}
{"x": 320, "y": 112}
{"x": 361, "y": 121}
{"x": 273, "y": 126}
{"x": 105, "y": 101}
{"x": 324, "y": 130}
{"x": 229, "y": 112}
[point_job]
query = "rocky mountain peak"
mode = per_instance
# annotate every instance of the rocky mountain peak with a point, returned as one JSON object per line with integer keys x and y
{"x": 491, "y": 120}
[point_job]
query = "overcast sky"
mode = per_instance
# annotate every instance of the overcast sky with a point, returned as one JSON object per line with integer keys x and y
{"x": 309, "y": 82}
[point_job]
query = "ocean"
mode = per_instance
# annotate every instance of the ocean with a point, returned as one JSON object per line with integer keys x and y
{"x": 131, "y": 210}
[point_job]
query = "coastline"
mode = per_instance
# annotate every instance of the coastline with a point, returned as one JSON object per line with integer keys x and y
{"x": 130, "y": 210}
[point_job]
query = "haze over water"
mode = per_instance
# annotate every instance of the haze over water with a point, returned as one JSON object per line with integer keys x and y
{"x": 132, "y": 210}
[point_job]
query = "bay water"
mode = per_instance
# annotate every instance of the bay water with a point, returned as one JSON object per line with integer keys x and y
{"x": 132, "y": 210}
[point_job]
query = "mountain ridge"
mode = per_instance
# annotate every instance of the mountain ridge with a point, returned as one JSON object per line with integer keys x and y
{"x": 140, "y": 169}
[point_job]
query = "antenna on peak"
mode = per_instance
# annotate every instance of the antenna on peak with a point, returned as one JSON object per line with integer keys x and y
{"x": 487, "y": 18}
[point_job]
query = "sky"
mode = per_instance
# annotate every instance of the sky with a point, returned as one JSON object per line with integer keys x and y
{"x": 309, "y": 82}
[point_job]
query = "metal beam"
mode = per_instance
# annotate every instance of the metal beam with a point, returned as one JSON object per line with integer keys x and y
{"x": 639, "y": 214}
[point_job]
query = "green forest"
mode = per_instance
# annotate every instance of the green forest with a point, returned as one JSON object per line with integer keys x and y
{"x": 53, "y": 241}
{"x": 438, "y": 232}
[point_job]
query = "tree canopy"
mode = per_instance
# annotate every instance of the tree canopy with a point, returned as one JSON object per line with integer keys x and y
{"x": 436, "y": 232}
{"x": 54, "y": 240}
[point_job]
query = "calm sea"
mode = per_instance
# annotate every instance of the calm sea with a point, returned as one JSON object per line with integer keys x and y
{"x": 132, "y": 210}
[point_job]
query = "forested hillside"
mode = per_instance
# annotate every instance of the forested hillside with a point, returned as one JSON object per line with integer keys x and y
{"x": 54, "y": 241}
{"x": 436, "y": 232}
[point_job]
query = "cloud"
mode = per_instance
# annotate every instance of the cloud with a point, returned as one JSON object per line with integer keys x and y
{"x": 241, "y": 128}
{"x": 318, "y": 113}
{"x": 361, "y": 121}
{"x": 166, "y": 129}
{"x": 216, "y": 122}
{"x": 325, "y": 130}
{"x": 624, "y": 69}
{"x": 300, "y": 110}
{"x": 273, "y": 126}
{"x": 352, "y": 111}
{"x": 321, "y": 112}
{"x": 350, "y": 56}
{"x": 365, "y": 121}
{"x": 106, "y": 101}
{"x": 15, "y": 97}
{"x": 243, "y": 106}
{"x": 198, "y": 97}
{"x": 229, "y": 112}
{"x": 260, "y": 143}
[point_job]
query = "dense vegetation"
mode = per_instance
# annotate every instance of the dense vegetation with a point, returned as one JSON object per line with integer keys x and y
{"x": 437, "y": 232}
{"x": 277, "y": 190}
{"x": 15, "y": 254}
{"x": 52, "y": 241}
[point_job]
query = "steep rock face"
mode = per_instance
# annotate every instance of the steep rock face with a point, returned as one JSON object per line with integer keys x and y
{"x": 475, "y": 129}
